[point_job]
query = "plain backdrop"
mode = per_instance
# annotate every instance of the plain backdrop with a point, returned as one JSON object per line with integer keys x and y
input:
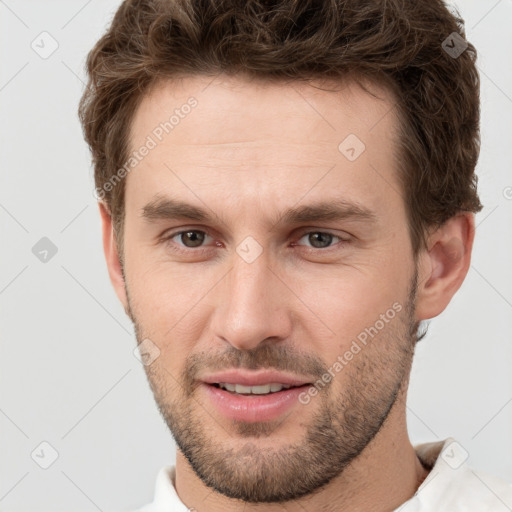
{"x": 68, "y": 375}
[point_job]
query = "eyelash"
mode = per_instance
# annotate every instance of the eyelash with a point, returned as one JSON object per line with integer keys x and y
{"x": 168, "y": 238}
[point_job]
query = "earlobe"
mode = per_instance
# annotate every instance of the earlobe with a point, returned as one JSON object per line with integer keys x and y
{"x": 112, "y": 255}
{"x": 444, "y": 265}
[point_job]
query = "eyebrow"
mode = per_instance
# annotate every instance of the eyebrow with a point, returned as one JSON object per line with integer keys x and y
{"x": 166, "y": 208}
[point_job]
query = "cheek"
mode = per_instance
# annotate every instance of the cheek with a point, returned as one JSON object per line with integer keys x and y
{"x": 351, "y": 301}
{"x": 166, "y": 302}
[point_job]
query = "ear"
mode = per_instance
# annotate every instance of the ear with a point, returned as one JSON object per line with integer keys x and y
{"x": 444, "y": 265}
{"x": 111, "y": 255}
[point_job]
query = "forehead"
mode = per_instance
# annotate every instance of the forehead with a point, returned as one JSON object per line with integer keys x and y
{"x": 255, "y": 108}
{"x": 273, "y": 139}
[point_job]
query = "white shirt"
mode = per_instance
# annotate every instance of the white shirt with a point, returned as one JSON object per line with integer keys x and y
{"x": 451, "y": 485}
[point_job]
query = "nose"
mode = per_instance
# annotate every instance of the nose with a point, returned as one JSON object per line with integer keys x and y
{"x": 252, "y": 305}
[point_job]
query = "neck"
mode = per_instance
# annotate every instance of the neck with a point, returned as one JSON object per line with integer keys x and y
{"x": 385, "y": 475}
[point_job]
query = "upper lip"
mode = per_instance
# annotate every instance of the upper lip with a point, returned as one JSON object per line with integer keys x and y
{"x": 254, "y": 378}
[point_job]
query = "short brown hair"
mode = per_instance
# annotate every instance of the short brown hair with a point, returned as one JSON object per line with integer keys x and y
{"x": 403, "y": 44}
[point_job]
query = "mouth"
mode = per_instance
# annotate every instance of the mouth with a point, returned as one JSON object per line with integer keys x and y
{"x": 256, "y": 403}
{"x": 254, "y": 396}
{"x": 262, "y": 389}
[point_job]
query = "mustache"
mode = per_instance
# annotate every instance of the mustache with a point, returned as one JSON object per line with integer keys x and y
{"x": 269, "y": 356}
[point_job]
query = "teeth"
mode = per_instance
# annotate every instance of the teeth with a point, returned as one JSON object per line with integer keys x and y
{"x": 254, "y": 390}
{"x": 239, "y": 388}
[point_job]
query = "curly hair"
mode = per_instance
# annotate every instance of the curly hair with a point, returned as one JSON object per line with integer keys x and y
{"x": 401, "y": 44}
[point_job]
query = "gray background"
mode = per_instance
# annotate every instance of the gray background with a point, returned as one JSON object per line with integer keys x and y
{"x": 68, "y": 375}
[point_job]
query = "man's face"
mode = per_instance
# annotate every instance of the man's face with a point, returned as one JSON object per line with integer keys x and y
{"x": 251, "y": 289}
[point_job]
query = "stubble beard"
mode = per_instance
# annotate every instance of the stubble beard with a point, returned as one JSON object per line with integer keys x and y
{"x": 337, "y": 433}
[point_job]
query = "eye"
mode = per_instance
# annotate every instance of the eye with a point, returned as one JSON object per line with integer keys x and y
{"x": 190, "y": 239}
{"x": 321, "y": 239}
{"x": 193, "y": 240}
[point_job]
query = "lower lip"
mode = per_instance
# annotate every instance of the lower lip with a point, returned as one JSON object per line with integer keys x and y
{"x": 254, "y": 408}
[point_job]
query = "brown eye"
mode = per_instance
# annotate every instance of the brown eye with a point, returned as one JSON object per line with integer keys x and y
{"x": 193, "y": 238}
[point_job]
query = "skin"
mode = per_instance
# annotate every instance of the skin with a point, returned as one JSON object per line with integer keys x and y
{"x": 248, "y": 152}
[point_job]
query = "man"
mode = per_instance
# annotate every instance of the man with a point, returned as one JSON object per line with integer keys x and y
{"x": 287, "y": 191}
